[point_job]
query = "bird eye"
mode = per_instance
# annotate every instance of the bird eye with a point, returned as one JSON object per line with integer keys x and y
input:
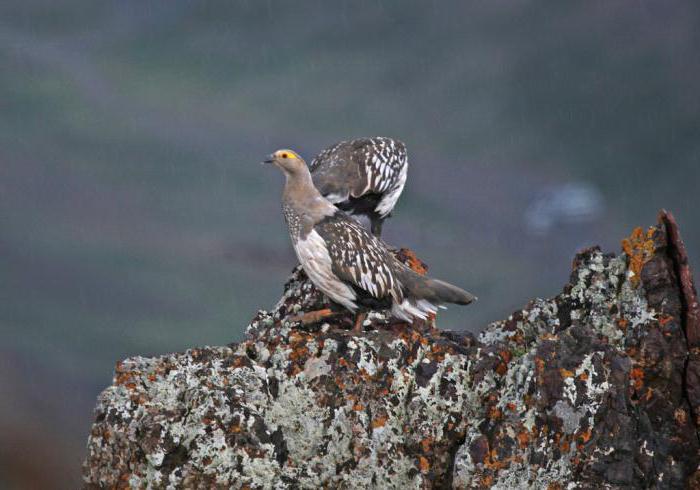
{"x": 284, "y": 155}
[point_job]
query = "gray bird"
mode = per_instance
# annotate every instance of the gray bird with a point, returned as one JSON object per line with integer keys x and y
{"x": 364, "y": 176}
{"x": 346, "y": 262}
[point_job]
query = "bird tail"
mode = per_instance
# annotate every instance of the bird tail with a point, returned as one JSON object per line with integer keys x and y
{"x": 445, "y": 292}
{"x": 432, "y": 290}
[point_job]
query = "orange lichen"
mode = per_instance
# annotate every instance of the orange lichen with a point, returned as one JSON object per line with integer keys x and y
{"x": 665, "y": 320}
{"x": 125, "y": 377}
{"x": 506, "y": 356}
{"x": 379, "y": 422}
{"x": 539, "y": 363}
{"x": 639, "y": 247}
{"x": 424, "y": 464}
{"x": 492, "y": 462}
{"x": 501, "y": 369}
{"x": 565, "y": 373}
{"x": 299, "y": 353}
{"x": 622, "y": 324}
{"x": 565, "y": 445}
{"x": 584, "y": 436}
{"x": 494, "y": 413}
{"x": 523, "y": 439}
{"x": 414, "y": 262}
{"x": 637, "y": 377}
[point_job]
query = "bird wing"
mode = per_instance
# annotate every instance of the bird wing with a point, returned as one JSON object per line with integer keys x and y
{"x": 329, "y": 157}
{"x": 363, "y": 165}
{"x": 358, "y": 257}
{"x": 382, "y": 161}
{"x": 335, "y": 173}
{"x": 334, "y": 183}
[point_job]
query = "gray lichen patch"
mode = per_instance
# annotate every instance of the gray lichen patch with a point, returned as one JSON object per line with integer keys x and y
{"x": 563, "y": 382}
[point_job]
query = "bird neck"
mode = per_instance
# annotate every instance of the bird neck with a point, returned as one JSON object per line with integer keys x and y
{"x": 301, "y": 194}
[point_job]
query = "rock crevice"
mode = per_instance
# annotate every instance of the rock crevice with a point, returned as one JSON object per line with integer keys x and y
{"x": 598, "y": 386}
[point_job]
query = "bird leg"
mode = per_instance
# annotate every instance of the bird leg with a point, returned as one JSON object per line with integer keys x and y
{"x": 359, "y": 320}
{"x": 427, "y": 326}
{"x": 311, "y": 317}
{"x": 432, "y": 324}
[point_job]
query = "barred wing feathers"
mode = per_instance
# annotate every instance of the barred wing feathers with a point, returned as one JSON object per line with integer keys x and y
{"x": 376, "y": 165}
{"x": 359, "y": 258}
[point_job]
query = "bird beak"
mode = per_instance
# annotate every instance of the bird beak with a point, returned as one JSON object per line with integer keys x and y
{"x": 270, "y": 159}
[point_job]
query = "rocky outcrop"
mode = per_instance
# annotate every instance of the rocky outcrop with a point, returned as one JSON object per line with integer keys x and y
{"x": 596, "y": 387}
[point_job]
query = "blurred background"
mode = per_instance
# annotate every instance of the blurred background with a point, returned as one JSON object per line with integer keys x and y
{"x": 136, "y": 220}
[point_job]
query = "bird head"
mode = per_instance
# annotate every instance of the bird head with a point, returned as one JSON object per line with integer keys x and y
{"x": 287, "y": 160}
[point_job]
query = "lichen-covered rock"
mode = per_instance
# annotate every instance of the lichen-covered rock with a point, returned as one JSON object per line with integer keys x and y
{"x": 585, "y": 390}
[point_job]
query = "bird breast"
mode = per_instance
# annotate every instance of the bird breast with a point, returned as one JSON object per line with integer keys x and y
{"x": 313, "y": 256}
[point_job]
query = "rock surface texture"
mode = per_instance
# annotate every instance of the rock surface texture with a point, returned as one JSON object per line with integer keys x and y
{"x": 598, "y": 387}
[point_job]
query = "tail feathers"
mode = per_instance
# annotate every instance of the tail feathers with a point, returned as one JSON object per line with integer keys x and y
{"x": 434, "y": 291}
{"x": 409, "y": 309}
{"x": 447, "y": 293}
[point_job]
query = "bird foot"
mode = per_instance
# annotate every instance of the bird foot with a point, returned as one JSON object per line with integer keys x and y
{"x": 432, "y": 324}
{"x": 311, "y": 317}
{"x": 427, "y": 326}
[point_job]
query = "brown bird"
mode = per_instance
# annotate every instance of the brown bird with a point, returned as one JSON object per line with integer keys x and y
{"x": 364, "y": 176}
{"x": 346, "y": 262}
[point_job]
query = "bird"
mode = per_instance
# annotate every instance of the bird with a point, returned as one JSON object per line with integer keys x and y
{"x": 364, "y": 176}
{"x": 347, "y": 263}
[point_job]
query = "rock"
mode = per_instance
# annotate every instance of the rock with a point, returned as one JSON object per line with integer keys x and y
{"x": 596, "y": 387}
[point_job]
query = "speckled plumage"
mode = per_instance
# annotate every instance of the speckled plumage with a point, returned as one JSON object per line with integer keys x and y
{"x": 365, "y": 176}
{"x": 355, "y": 269}
{"x": 360, "y": 258}
{"x": 351, "y": 266}
{"x": 293, "y": 221}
